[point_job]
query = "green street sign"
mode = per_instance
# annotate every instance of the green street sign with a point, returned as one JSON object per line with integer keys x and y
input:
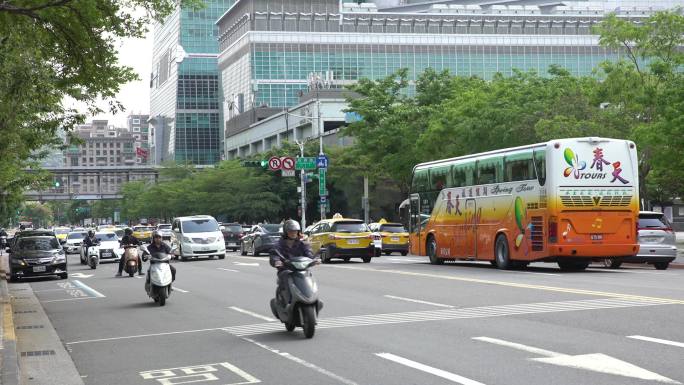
{"x": 306, "y": 163}
{"x": 321, "y": 182}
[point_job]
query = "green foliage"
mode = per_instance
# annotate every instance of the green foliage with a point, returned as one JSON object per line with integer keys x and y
{"x": 52, "y": 53}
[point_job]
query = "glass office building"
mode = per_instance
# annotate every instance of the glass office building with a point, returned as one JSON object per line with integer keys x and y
{"x": 271, "y": 48}
{"x": 185, "y": 99}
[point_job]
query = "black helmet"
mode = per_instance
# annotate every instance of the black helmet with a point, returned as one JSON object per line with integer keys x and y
{"x": 128, "y": 231}
{"x": 291, "y": 225}
{"x": 91, "y": 233}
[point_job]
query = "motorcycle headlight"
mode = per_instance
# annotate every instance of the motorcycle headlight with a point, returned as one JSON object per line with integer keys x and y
{"x": 300, "y": 265}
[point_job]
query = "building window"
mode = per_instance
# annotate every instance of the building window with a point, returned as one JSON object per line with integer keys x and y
{"x": 136, "y": 121}
{"x": 136, "y": 128}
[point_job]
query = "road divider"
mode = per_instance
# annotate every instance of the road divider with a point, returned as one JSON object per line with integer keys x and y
{"x": 429, "y": 369}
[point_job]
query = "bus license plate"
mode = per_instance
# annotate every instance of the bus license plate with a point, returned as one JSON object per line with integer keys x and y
{"x": 596, "y": 237}
{"x": 38, "y": 269}
{"x": 353, "y": 241}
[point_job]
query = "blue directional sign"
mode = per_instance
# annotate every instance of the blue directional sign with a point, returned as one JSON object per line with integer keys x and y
{"x": 322, "y": 161}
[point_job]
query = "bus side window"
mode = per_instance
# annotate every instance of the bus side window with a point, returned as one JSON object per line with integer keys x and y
{"x": 458, "y": 175}
{"x": 540, "y": 164}
{"x": 519, "y": 167}
{"x": 438, "y": 178}
{"x": 470, "y": 172}
{"x": 490, "y": 170}
{"x": 420, "y": 181}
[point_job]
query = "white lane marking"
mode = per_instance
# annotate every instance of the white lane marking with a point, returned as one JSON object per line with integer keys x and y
{"x": 80, "y": 275}
{"x": 245, "y": 264}
{"x": 67, "y": 299}
{"x": 658, "y": 341}
{"x": 139, "y": 277}
{"x": 528, "y": 272}
{"x": 221, "y": 268}
{"x": 181, "y": 290}
{"x": 256, "y": 315}
{"x": 88, "y": 289}
{"x": 303, "y": 362}
{"x": 597, "y": 362}
{"x": 417, "y": 301}
{"x": 529, "y": 349}
{"x": 143, "y": 335}
{"x": 429, "y": 369}
{"x": 451, "y": 314}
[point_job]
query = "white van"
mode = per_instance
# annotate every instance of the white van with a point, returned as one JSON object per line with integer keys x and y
{"x": 197, "y": 236}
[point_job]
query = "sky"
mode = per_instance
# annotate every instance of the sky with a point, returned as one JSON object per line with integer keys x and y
{"x": 135, "y": 96}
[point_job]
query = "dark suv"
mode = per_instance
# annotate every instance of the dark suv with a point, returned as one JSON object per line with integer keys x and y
{"x": 37, "y": 255}
{"x": 232, "y": 233}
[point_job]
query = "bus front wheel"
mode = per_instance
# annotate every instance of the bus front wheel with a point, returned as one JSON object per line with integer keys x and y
{"x": 432, "y": 252}
{"x": 501, "y": 253}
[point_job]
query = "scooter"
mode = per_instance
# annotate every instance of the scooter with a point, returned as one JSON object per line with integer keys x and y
{"x": 131, "y": 259}
{"x": 94, "y": 255}
{"x": 158, "y": 282}
{"x": 297, "y": 304}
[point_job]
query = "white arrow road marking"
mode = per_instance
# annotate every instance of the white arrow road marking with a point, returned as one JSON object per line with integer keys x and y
{"x": 658, "y": 340}
{"x": 88, "y": 289}
{"x": 416, "y": 301}
{"x": 429, "y": 369}
{"x": 245, "y": 264}
{"x": 80, "y": 275}
{"x": 596, "y": 362}
{"x": 256, "y": 315}
{"x": 221, "y": 268}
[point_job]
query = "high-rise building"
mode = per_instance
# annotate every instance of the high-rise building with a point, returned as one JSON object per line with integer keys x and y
{"x": 139, "y": 127}
{"x": 274, "y": 51}
{"x": 185, "y": 99}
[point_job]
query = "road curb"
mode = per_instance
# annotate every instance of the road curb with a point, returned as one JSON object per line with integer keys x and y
{"x": 9, "y": 373}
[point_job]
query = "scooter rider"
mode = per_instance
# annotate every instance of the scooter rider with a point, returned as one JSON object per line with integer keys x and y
{"x": 129, "y": 239}
{"x": 88, "y": 241}
{"x": 157, "y": 246}
{"x": 289, "y": 246}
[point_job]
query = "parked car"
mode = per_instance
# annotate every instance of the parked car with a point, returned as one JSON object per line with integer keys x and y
{"x": 165, "y": 231}
{"x": 73, "y": 242}
{"x": 342, "y": 238}
{"x": 393, "y": 237}
{"x": 197, "y": 236}
{"x": 35, "y": 256}
{"x": 657, "y": 242}
{"x": 232, "y": 234}
{"x": 108, "y": 248}
{"x": 261, "y": 239}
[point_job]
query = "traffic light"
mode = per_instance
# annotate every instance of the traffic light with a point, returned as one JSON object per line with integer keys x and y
{"x": 255, "y": 163}
{"x": 56, "y": 183}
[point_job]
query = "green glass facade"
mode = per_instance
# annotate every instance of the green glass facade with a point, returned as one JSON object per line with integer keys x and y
{"x": 186, "y": 97}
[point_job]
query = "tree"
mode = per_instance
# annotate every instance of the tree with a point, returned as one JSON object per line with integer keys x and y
{"x": 645, "y": 86}
{"x": 52, "y": 50}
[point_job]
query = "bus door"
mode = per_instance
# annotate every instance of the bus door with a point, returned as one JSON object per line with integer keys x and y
{"x": 470, "y": 249}
{"x": 415, "y": 225}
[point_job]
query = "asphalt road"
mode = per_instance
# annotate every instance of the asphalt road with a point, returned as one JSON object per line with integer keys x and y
{"x": 397, "y": 320}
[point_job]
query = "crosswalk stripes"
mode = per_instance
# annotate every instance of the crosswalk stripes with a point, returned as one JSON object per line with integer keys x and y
{"x": 450, "y": 314}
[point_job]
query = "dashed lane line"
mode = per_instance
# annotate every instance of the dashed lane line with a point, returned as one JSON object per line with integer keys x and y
{"x": 516, "y": 285}
{"x": 417, "y": 301}
{"x": 251, "y": 313}
{"x": 302, "y": 362}
{"x": 658, "y": 341}
{"x": 429, "y": 369}
{"x": 224, "y": 269}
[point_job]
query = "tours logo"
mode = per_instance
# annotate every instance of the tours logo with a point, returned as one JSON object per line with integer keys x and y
{"x": 576, "y": 167}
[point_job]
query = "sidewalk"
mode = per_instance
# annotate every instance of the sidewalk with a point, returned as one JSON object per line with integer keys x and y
{"x": 32, "y": 352}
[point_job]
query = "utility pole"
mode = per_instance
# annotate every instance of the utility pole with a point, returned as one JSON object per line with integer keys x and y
{"x": 302, "y": 174}
{"x": 366, "y": 206}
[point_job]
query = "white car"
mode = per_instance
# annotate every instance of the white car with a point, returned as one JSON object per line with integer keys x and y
{"x": 108, "y": 249}
{"x": 73, "y": 242}
{"x": 197, "y": 236}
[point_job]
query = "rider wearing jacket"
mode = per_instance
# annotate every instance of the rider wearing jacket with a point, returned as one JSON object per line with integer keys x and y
{"x": 89, "y": 241}
{"x": 157, "y": 246}
{"x": 289, "y": 246}
{"x": 129, "y": 239}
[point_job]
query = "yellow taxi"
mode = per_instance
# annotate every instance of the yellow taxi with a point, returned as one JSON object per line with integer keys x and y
{"x": 393, "y": 237}
{"x": 341, "y": 238}
{"x": 143, "y": 233}
{"x": 61, "y": 233}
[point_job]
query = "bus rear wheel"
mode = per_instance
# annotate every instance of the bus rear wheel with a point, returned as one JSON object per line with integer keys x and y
{"x": 432, "y": 252}
{"x": 502, "y": 253}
